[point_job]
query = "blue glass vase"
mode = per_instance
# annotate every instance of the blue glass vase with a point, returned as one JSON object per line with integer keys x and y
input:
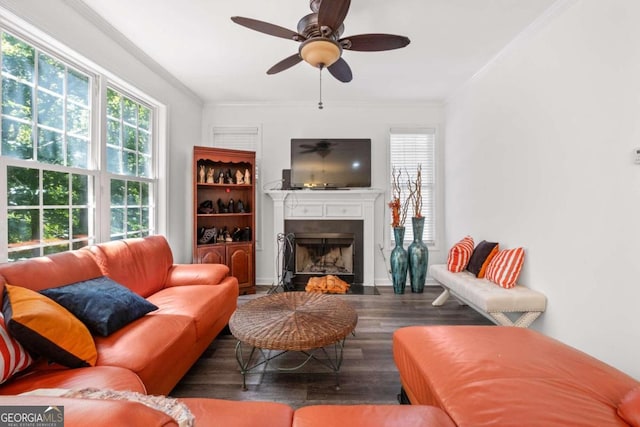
{"x": 399, "y": 262}
{"x": 418, "y": 257}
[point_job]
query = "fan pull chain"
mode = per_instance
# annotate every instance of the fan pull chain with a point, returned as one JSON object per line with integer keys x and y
{"x": 320, "y": 107}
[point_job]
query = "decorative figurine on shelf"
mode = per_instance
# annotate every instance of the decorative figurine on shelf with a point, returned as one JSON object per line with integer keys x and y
{"x": 231, "y": 207}
{"x": 239, "y": 177}
{"x": 220, "y": 178}
{"x": 237, "y": 234}
{"x": 246, "y": 234}
{"x": 228, "y": 179}
{"x": 201, "y": 174}
{"x": 247, "y": 177}
{"x": 222, "y": 234}
{"x": 210, "y": 176}
{"x": 240, "y": 207}
{"x": 206, "y": 207}
{"x": 221, "y": 207}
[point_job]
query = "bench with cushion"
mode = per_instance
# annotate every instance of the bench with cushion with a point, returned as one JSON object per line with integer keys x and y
{"x": 516, "y": 306}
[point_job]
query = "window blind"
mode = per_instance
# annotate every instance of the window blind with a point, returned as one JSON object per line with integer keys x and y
{"x": 410, "y": 148}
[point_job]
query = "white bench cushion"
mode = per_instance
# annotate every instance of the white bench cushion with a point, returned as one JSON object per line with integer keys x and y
{"x": 486, "y": 295}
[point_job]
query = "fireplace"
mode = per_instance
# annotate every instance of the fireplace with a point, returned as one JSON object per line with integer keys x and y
{"x": 354, "y": 207}
{"x": 325, "y": 247}
{"x": 324, "y": 253}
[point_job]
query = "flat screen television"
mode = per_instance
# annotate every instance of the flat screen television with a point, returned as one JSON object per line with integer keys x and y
{"x": 330, "y": 163}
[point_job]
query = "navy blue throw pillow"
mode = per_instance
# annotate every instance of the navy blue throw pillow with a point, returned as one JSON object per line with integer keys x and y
{"x": 103, "y": 305}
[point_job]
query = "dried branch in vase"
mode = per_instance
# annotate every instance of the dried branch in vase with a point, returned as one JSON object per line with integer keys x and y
{"x": 398, "y": 210}
{"x": 415, "y": 193}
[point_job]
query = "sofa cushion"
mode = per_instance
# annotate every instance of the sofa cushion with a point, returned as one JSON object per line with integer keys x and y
{"x": 175, "y": 409}
{"x": 223, "y": 413}
{"x": 629, "y": 408}
{"x": 47, "y": 329}
{"x": 460, "y": 254}
{"x": 61, "y": 269}
{"x": 207, "y": 305}
{"x": 95, "y": 413}
{"x": 43, "y": 375}
{"x": 102, "y": 304}
{"x": 481, "y": 257}
{"x": 140, "y": 264}
{"x": 146, "y": 345}
{"x": 13, "y": 357}
{"x": 505, "y": 267}
{"x": 371, "y": 416}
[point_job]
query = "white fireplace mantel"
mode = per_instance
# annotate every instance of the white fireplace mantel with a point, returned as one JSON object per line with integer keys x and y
{"x": 351, "y": 204}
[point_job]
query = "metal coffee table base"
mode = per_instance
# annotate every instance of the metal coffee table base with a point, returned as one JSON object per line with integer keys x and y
{"x": 332, "y": 362}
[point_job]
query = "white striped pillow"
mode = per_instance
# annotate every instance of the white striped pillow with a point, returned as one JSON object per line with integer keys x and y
{"x": 460, "y": 254}
{"x": 13, "y": 357}
{"x": 505, "y": 267}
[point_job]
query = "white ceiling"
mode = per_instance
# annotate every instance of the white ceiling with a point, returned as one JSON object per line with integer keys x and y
{"x": 220, "y": 61}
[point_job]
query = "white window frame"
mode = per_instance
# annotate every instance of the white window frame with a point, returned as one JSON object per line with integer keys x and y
{"x": 436, "y": 212}
{"x": 100, "y": 80}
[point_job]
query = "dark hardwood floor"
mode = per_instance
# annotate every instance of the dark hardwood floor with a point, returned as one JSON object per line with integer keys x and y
{"x": 368, "y": 373}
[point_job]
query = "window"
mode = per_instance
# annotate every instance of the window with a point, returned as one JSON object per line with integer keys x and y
{"x": 50, "y": 151}
{"x": 129, "y": 139}
{"x": 410, "y": 149}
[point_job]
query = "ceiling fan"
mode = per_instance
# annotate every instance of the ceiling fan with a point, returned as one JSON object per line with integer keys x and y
{"x": 319, "y": 34}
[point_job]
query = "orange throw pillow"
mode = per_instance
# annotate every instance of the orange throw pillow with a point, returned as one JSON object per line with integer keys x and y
{"x": 505, "y": 267}
{"x": 45, "y": 328}
{"x": 460, "y": 254}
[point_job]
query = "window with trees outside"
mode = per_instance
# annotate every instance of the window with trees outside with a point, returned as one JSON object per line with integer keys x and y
{"x": 57, "y": 161}
{"x": 409, "y": 149}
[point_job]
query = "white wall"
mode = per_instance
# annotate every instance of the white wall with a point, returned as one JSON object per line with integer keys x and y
{"x": 280, "y": 123}
{"x": 538, "y": 154}
{"x": 63, "y": 23}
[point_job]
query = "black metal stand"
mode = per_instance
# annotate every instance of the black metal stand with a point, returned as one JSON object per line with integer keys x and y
{"x": 246, "y": 365}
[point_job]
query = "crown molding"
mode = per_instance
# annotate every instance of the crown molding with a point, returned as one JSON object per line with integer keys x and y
{"x": 110, "y": 31}
{"x": 550, "y": 14}
{"x": 338, "y": 104}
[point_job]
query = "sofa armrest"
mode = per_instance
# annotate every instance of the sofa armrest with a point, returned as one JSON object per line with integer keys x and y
{"x": 196, "y": 274}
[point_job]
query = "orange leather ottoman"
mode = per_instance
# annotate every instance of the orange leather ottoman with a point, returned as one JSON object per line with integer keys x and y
{"x": 508, "y": 376}
{"x": 371, "y": 416}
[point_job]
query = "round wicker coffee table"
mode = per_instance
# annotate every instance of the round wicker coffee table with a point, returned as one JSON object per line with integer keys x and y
{"x": 292, "y": 321}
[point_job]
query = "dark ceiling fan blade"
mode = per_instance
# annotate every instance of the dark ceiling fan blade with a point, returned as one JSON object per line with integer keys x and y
{"x": 332, "y": 13}
{"x": 341, "y": 71}
{"x": 374, "y": 42}
{"x": 284, "y": 64}
{"x": 267, "y": 28}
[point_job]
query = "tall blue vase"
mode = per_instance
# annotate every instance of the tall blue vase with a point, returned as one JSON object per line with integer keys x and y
{"x": 399, "y": 262}
{"x": 418, "y": 257}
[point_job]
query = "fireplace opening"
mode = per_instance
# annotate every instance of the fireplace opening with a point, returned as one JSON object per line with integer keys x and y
{"x": 323, "y": 247}
{"x": 324, "y": 253}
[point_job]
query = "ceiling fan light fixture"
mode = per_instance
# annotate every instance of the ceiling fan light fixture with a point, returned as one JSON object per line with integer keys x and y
{"x": 320, "y": 52}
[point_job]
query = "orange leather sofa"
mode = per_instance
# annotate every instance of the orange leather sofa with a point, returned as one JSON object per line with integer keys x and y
{"x": 507, "y": 376}
{"x": 228, "y": 413}
{"x": 151, "y": 354}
